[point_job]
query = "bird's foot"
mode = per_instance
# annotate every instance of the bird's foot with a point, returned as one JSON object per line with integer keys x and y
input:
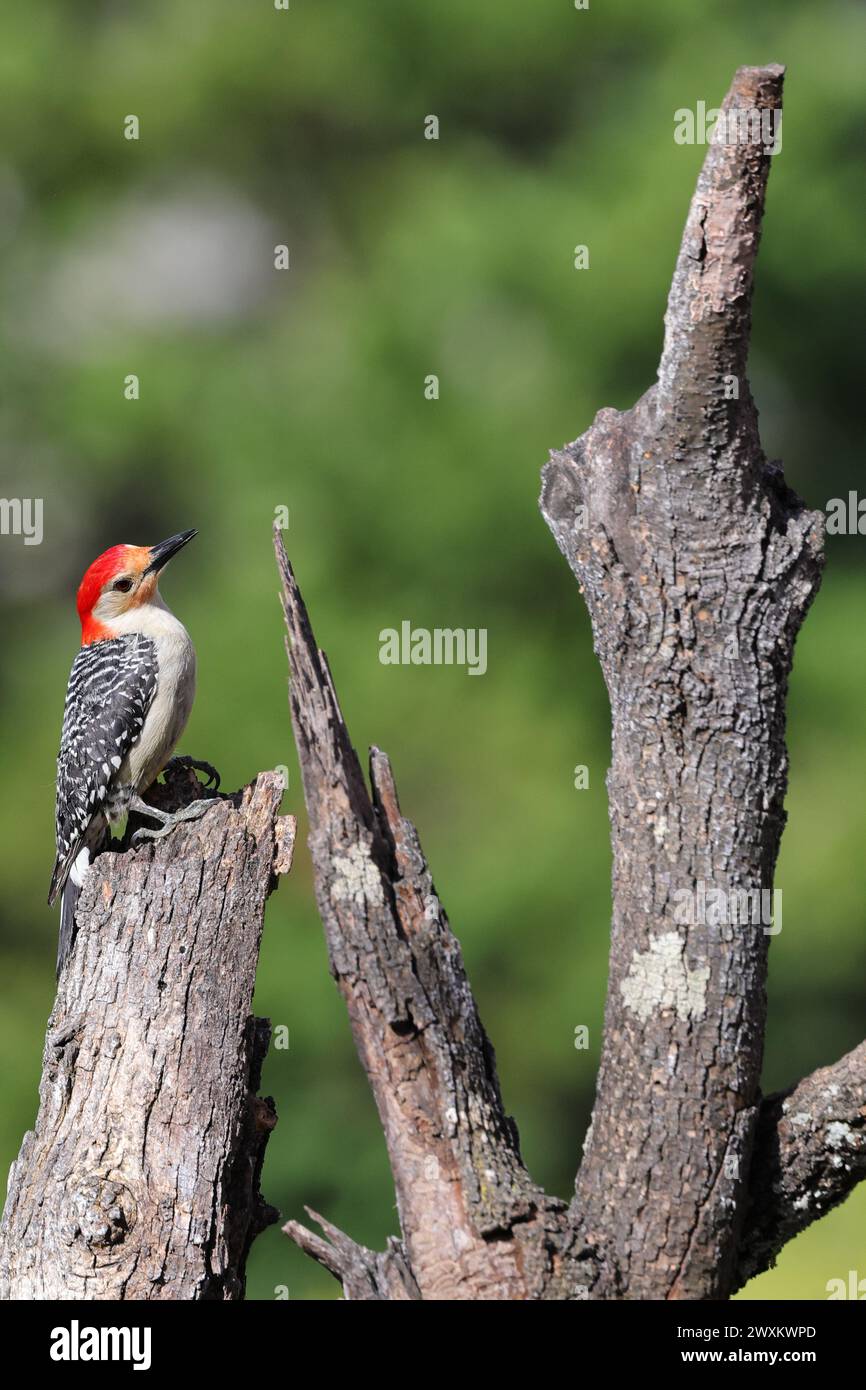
{"x": 182, "y": 761}
{"x": 168, "y": 820}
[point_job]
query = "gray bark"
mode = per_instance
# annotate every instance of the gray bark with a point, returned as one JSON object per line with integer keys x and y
{"x": 472, "y": 1220}
{"x": 698, "y": 565}
{"x": 810, "y": 1150}
{"x": 140, "y": 1179}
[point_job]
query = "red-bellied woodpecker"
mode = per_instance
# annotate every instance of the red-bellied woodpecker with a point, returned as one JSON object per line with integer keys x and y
{"x": 130, "y": 692}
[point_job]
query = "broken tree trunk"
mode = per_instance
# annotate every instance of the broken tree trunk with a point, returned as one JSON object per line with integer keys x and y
{"x": 473, "y": 1223}
{"x": 698, "y": 565}
{"x": 141, "y": 1177}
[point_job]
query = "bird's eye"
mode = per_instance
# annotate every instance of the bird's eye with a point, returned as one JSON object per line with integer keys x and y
{"x": 122, "y": 586}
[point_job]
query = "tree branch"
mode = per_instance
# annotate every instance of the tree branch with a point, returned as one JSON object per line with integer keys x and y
{"x": 708, "y": 319}
{"x": 141, "y": 1177}
{"x": 364, "y": 1274}
{"x": 469, "y": 1213}
{"x": 810, "y": 1152}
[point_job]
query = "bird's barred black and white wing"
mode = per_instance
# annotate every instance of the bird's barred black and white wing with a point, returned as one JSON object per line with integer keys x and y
{"x": 111, "y": 687}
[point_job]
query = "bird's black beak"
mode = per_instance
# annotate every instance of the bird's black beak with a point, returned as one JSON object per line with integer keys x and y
{"x": 161, "y": 554}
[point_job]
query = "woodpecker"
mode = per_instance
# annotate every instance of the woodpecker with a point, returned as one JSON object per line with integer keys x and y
{"x": 129, "y": 696}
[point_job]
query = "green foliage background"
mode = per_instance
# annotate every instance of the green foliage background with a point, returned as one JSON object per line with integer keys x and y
{"x": 305, "y": 389}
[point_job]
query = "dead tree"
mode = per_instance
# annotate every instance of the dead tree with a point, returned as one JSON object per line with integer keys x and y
{"x": 698, "y": 565}
{"x": 140, "y": 1179}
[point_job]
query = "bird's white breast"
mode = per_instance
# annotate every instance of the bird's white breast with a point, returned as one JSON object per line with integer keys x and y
{"x": 175, "y": 690}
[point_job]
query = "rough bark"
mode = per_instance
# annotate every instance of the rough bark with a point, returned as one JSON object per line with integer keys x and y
{"x": 472, "y": 1220}
{"x": 810, "y": 1150}
{"x": 141, "y": 1177}
{"x": 698, "y": 565}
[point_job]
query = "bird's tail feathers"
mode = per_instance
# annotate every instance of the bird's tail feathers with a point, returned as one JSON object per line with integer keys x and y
{"x": 71, "y": 892}
{"x": 68, "y": 903}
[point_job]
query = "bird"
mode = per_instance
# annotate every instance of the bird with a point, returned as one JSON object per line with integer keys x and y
{"x": 129, "y": 696}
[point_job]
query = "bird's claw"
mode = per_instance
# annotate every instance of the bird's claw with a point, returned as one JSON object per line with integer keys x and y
{"x": 144, "y": 834}
{"x": 183, "y": 761}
